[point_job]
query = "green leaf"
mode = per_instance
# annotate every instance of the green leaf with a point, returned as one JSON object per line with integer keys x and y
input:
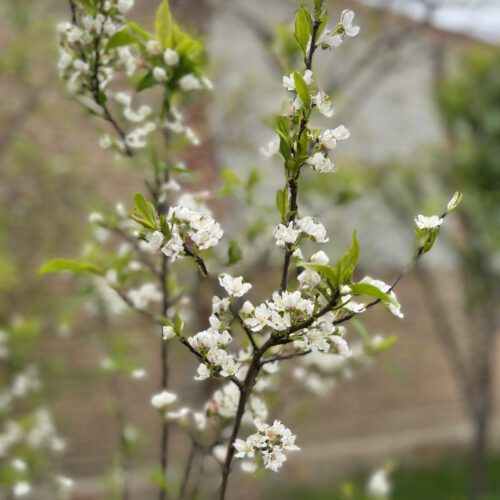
{"x": 142, "y": 33}
{"x": 302, "y": 90}
{"x": 303, "y": 28}
{"x": 233, "y": 253}
{"x": 146, "y": 209}
{"x": 346, "y": 265}
{"x": 328, "y": 272}
{"x": 382, "y": 346}
{"x": 146, "y": 82}
{"x": 282, "y": 203}
{"x": 372, "y": 291}
{"x": 122, "y": 38}
{"x": 165, "y": 25}
{"x": 73, "y": 266}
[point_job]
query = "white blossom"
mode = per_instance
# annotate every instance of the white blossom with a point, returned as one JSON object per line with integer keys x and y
{"x": 171, "y": 57}
{"x": 155, "y": 240}
{"x": 346, "y": 20}
{"x": 286, "y": 234}
{"x": 323, "y": 103}
{"x": 330, "y": 137}
{"x": 21, "y": 489}
{"x": 142, "y": 296}
{"x": 432, "y": 222}
{"x": 379, "y": 484}
{"x": 163, "y": 399}
{"x": 272, "y": 148}
{"x": 315, "y": 230}
{"x": 159, "y": 74}
{"x": 189, "y": 82}
{"x": 321, "y": 163}
{"x": 124, "y": 5}
{"x": 235, "y": 287}
{"x": 168, "y": 332}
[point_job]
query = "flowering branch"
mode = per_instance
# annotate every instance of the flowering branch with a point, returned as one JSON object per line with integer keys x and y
{"x": 304, "y": 314}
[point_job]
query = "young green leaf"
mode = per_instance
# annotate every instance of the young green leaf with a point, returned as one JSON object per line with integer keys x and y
{"x": 164, "y": 25}
{"x": 303, "y": 28}
{"x": 233, "y": 253}
{"x": 141, "y": 32}
{"x": 302, "y": 90}
{"x": 346, "y": 265}
{"x": 122, "y": 38}
{"x": 327, "y": 272}
{"x": 282, "y": 203}
{"x": 72, "y": 266}
{"x": 372, "y": 291}
{"x": 145, "y": 209}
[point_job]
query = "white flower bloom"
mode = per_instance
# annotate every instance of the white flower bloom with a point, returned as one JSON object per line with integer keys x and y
{"x": 96, "y": 218}
{"x": 163, "y": 399}
{"x": 189, "y": 82}
{"x": 315, "y": 230}
{"x": 341, "y": 345}
{"x": 235, "y": 287}
{"x": 219, "y": 305}
{"x": 272, "y": 148}
{"x": 155, "y": 240}
{"x": 64, "y": 484}
{"x": 168, "y": 332}
{"x": 330, "y": 39}
{"x": 248, "y": 466}
{"x": 19, "y": 464}
{"x": 220, "y": 452}
{"x": 174, "y": 246}
{"x": 138, "y": 373}
{"x": 379, "y": 484}
{"x": 142, "y": 296}
{"x": 320, "y": 163}
{"x": 21, "y": 489}
{"x": 346, "y": 20}
{"x": 137, "y": 116}
{"x": 105, "y": 141}
{"x": 124, "y": 5}
{"x": 153, "y": 47}
{"x": 324, "y": 104}
{"x": 171, "y": 57}
{"x": 285, "y": 235}
{"x": 159, "y": 74}
{"x": 244, "y": 448}
{"x": 320, "y": 258}
{"x": 432, "y": 222}
{"x": 203, "y": 372}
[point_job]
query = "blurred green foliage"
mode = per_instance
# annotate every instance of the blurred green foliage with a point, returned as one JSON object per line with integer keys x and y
{"x": 444, "y": 480}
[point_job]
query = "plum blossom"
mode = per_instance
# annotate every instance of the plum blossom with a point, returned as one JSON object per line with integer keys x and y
{"x": 346, "y": 20}
{"x": 432, "y": 222}
{"x": 321, "y": 163}
{"x": 271, "y": 441}
{"x": 235, "y": 287}
{"x": 163, "y": 399}
{"x": 312, "y": 229}
{"x": 330, "y": 137}
{"x": 286, "y": 235}
{"x": 171, "y": 57}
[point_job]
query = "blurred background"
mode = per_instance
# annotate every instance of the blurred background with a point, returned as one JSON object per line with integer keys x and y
{"x": 419, "y": 90}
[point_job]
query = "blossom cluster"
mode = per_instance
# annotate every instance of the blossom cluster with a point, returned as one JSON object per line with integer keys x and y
{"x": 100, "y": 45}
{"x": 271, "y": 441}
{"x": 300, "y": 228}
